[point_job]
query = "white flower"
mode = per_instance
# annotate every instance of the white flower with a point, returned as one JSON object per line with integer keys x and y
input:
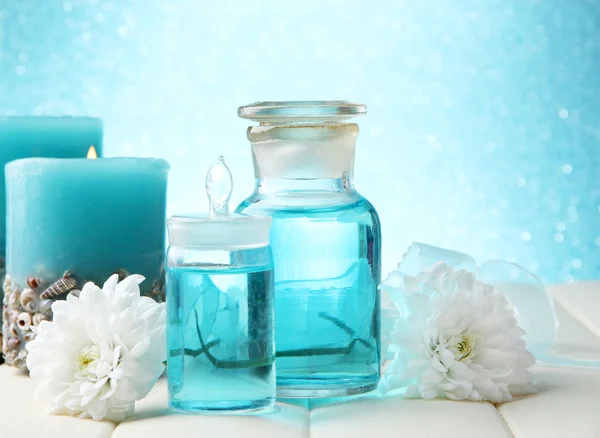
{"x": 456, "y": 338}
{"x": 101, "y": 353}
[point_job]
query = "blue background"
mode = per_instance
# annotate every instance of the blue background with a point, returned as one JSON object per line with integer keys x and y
{"x": 483, "y": 131}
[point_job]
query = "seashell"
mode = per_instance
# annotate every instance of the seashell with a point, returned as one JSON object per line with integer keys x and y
{"x": 157, "y": 291}
{"x": 29, "y": 336}
{"x": 7, "y": 281}
{"x": 33, "y": 282}
{"x": 13, "y": 343}
{"x": 10, "y": 356}
{"x": 122, "y": 273}
{"x": 19, "y": 361}
{"x": 60, "y": 286}
{"x": 24, "y": 321}
{"x": 7, "y": 285}
{"x": 39, "y": 317}
{"x": 28, "y": 297}
{"x": 11, "y": 315}
{"x": 14, "y": 331}
{"x": 44, "y": 306}
{"x": 75, "y": 292}
{"x": 14, "y": 299}
{"x": 23, "y": 353}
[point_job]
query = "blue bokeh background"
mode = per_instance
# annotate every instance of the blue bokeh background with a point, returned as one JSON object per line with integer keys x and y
{"x": 483, "y": 132}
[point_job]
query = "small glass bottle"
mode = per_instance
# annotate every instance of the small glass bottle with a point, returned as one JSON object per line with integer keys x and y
{"x": 326, "y": 243}
{"x": 221, "y": 350}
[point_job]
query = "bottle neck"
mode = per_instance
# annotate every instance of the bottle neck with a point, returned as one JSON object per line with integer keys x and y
{"x": 289, "y": 186}
{"x": 311, "y": 157}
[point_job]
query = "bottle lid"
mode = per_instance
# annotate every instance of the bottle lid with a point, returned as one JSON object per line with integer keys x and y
{"x": 301, "y": 111}
{"x": 220, "y": 229}
{"x": 236, "y": 231}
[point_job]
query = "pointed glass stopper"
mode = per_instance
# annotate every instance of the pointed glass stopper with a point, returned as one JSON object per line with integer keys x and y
{"x": 219, "y": 184}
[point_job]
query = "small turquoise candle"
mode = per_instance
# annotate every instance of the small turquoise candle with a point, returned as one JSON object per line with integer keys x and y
{"x": 53, "y": 137}
{"x": 70, "y": 221}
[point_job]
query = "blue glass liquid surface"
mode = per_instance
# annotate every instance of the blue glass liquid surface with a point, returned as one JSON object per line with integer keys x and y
{"x": 327, "y": 269}
{"x": 220, "y": 339}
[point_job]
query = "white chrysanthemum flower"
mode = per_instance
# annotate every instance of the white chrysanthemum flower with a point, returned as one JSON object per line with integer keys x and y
{"x": 103, "y": 351}
{"x": 456, "y": 338}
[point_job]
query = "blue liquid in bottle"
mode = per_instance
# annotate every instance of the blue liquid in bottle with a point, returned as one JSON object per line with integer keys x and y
{"x": 326, "y": 242}
{"x": 326, "y": 269}
{"x": 220, "y": 338}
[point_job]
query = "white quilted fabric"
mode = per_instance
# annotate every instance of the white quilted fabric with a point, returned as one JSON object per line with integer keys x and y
{"x": 566, "y": 405}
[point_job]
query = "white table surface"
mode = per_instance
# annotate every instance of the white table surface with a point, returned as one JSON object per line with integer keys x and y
{"x": 567, "y": 403}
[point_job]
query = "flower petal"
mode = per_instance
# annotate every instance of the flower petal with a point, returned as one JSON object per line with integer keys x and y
{"x": 103, "y": 351}
{"x": 462, "y": 334}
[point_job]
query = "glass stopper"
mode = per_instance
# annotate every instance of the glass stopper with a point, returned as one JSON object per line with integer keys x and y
{"x": 219, "y": 184}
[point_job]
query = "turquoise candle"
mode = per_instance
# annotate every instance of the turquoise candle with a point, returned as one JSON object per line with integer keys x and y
{"x": 54, "y": 137}
{"x": 75, "y": 220}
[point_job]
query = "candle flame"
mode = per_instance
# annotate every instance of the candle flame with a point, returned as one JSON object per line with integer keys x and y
{"x": 92, "y": 155}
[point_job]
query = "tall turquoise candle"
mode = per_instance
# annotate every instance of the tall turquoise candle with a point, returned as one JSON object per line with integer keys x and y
{"x": 52, "y": 137}
{"x": 70, "y": 221}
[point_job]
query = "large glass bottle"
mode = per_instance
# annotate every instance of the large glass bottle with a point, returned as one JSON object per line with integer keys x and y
{"x": 326, "y": 243}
